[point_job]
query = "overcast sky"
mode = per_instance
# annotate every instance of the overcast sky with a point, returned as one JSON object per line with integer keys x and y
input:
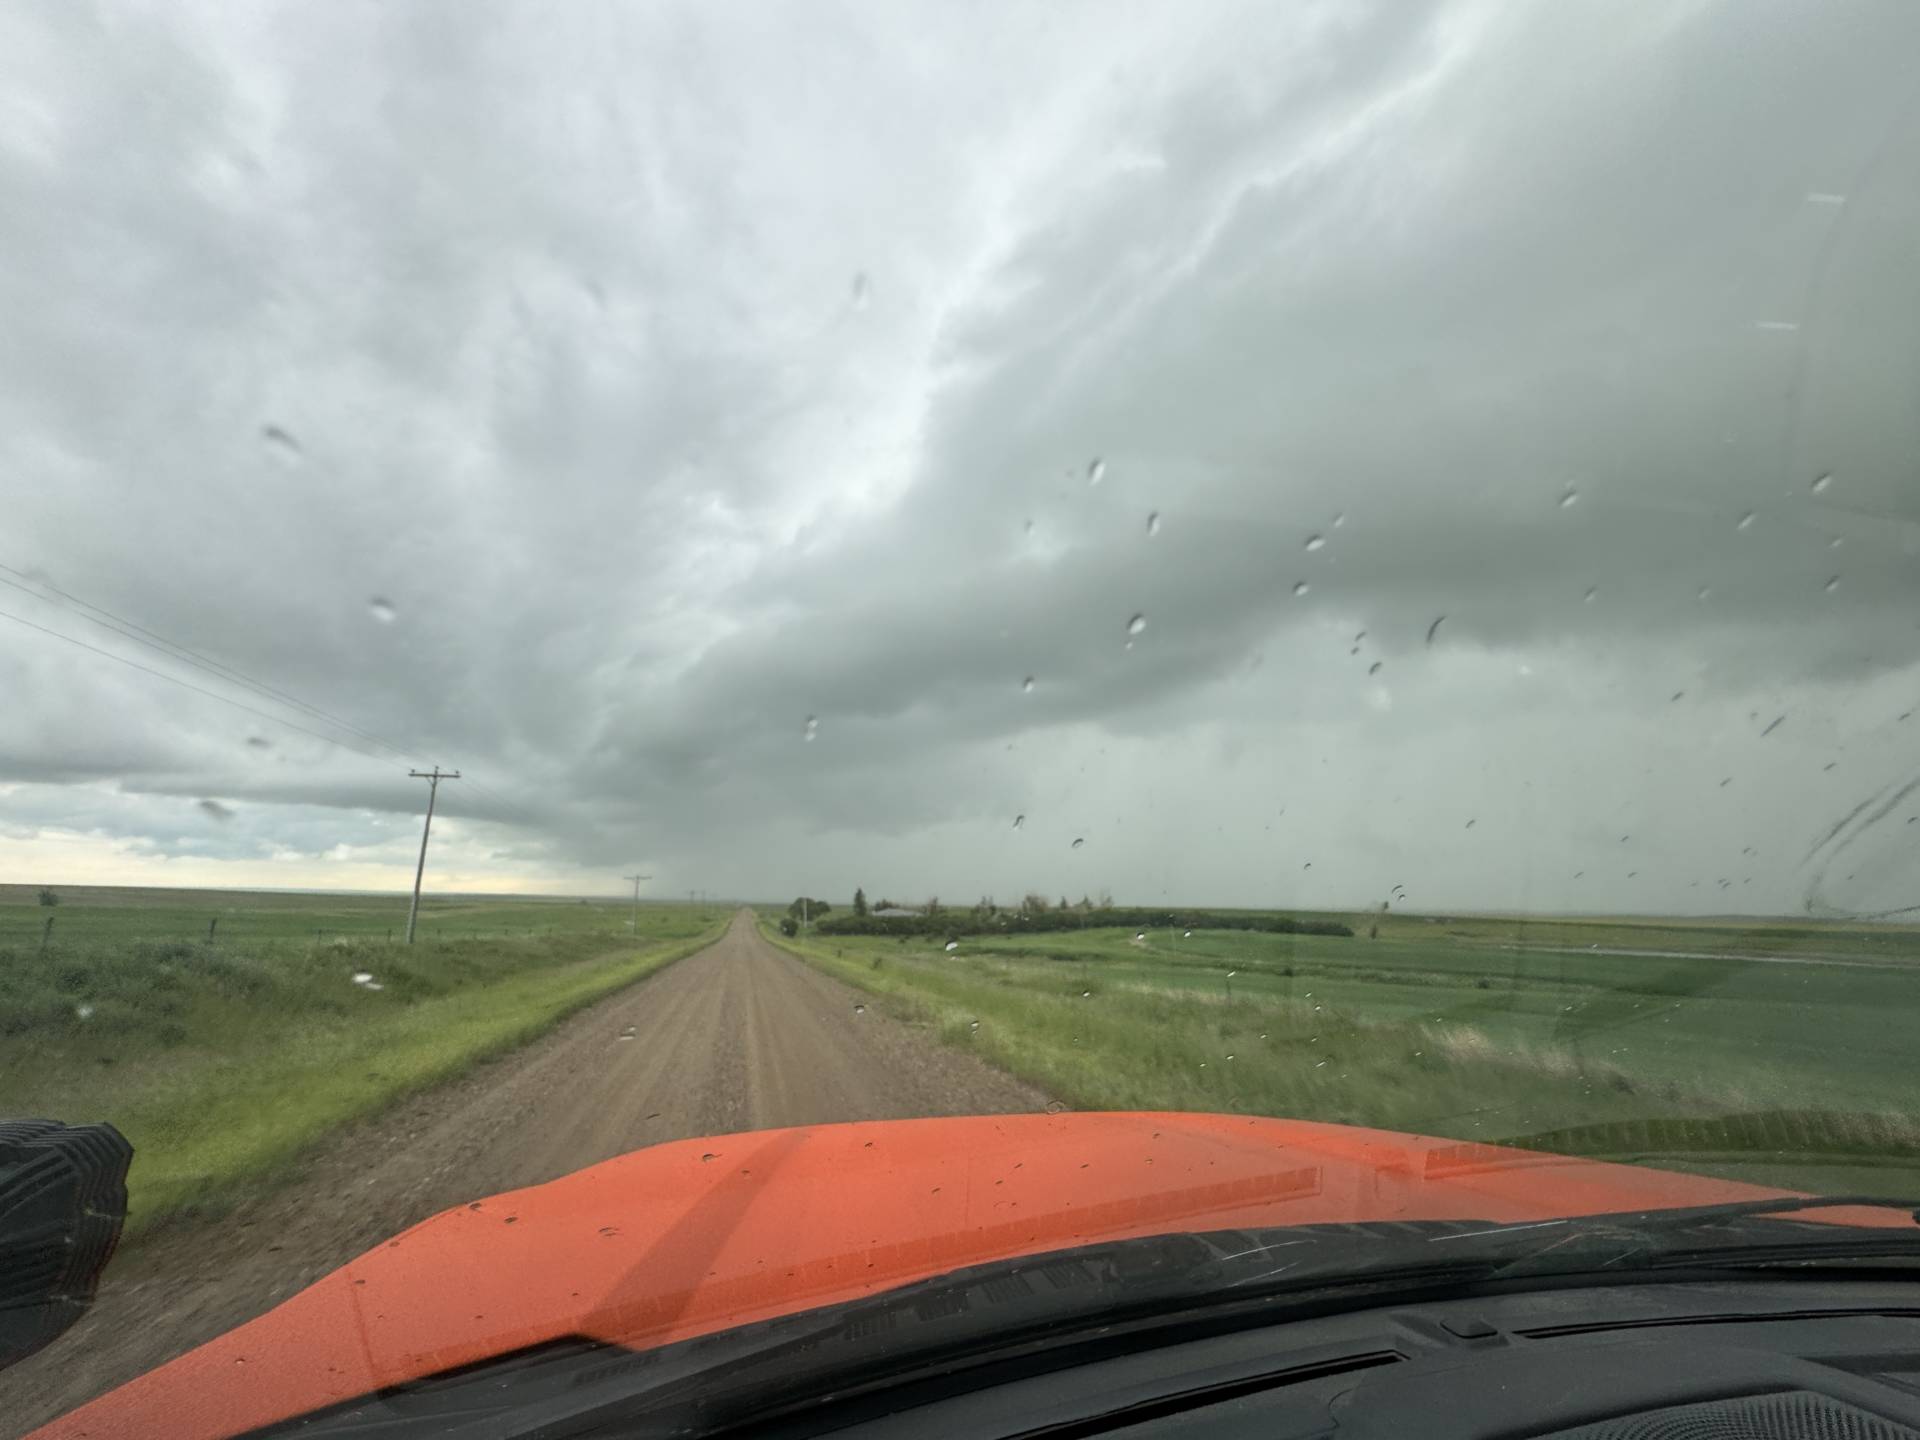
{"x": 697, "y": 422}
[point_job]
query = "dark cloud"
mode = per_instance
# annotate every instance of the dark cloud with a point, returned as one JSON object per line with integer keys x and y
{"x": 588, "y": 400}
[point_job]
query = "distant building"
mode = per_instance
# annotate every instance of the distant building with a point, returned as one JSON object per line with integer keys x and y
{"x": 894, "y": 912}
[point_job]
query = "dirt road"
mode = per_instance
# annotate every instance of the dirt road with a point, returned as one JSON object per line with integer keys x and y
{"x": 740, "y": 1036}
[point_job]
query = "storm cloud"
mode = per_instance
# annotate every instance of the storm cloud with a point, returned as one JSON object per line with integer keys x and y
{"x": 590, "y": 398}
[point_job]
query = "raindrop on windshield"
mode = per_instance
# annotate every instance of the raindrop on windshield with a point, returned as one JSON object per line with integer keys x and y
{"x": 811, "y": 729}
{"x": 1469, "y": 825}
{"x": 1374, "y": 668}
{"x": 1141, "y": 935}
{"x": 1136, "y": 624}
{"x": 382, "y": 610}
{"x": 1187, "y": 935}
{"x": 1018, "y": 821}
{"x": 1096, "y": 471}
{"x": 1434, "y": 628}
{"x": 215, "y": 809}
{"x": 1027, "y": 685}
{"x": 1705, "y": 592}
{"x": 362, "y": 977}
{"x": 1078, "y": 842}
{"x": 1821, "y": 482}
{"x": 1570, "y": 499}
{"x": 259, "y": 742}
{"x": 1300, "y": 587}
{"x": 859, "y": 1009}
{"x": 1086, "y": 994}
{"x": 1833, "y": 584}
{"x": 862, "y": 289}
{"x": 952, "y": 945}
{"x": 1339, "y": 519}
{"x": 1153, "y": 522}
{"x": 279, "y": 443}
{"x": 83, "y": 1012}
{"x": 1746, "y": 521}
{"x": 973, "y": 1025}
{"x": 1593, "y": 593}
{"x": 1316, "y": 542}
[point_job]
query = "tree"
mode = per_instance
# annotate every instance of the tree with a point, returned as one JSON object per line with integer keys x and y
{"x": 806, "y": 908}
{"x": 48, "y": 898}
{"x": 1063, "y": 903}
{"x": 933, "y": 905}
{"x": 789, "y": 926}
{"x": 859, "y": 902}
{"x": 1034, "y": 904}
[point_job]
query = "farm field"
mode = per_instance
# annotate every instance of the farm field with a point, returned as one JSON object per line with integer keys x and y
{"x": 1792, "y": 1065}
{"x": 223, "y": 1060}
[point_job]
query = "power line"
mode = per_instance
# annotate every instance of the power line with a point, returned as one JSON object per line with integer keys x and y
{"x": 174, "y": 650}
{"x": 189, "y": 685}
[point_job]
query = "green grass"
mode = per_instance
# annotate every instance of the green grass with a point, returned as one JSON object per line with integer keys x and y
{"x": 223, "y": 1062}
{"x": 1723, "y": 1064}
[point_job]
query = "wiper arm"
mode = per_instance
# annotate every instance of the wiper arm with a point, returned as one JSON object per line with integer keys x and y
{"x": 1642, "y": 1238}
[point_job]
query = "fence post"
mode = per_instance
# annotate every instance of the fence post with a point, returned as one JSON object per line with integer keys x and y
{"x": 46, "y": 935}
{"x": 210, "y": 928}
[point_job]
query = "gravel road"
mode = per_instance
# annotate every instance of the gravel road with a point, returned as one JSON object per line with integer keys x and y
{"x": 737, "y": 1037}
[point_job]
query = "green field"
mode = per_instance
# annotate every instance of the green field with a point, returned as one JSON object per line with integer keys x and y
{"x": 223, "y": 1060}
{"x": 1795, "y": 1064}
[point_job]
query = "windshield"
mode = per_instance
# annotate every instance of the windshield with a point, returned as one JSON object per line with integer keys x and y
{"x": 587, "y": 579}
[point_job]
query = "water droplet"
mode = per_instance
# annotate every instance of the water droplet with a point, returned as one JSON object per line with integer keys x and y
{"x": 1153, "y": 523}
{"x": 1679, "y": 694}
{"x": 280, "y": 444}
{"x": 1835, "y": 543}
{"x": 1469, "y": 825}
{"x": 1316, "y": 542}
{"x": 1746, "y": 521}
{"x": 1593, "y": 593}
{"x": 811, "y": 728}
{"x": 1078, "y": 842}
{"x": 1339, "y": 519}
{"x": 862, "y": 288}
{"x": 973, "y": 1025}
{"x": 1821, "y": 482}
{"x": 952, "y": 945}
{"x": 362, "y": 977}
{"x": 1570, "y": 499}
{"x": 1229, "y": 1055}
{"x": 1018, "y": 821}
{"x": 1028, "y": 527}
{"x": 1300, "y": 587}
{"x": 1773, "y": 727}
{"x": 708, "y": 1156}
{"x": 1188, "y": 935}
{"x": 1374, "y": 668}
{"x": 1833, "y": 585}
{"x": 1705, "y": 592}
{"x": 216, "y": 810}
{"x": 1096, "y": 471}
{"x": 1086, "y": 994}
{"x": 1137, "y": 624}
{"x": 259, "y": 742}
{"x": 859, "y": 1009}
{"x": 83, "y": 1012}
{"x": 382, "y": 610}
{"x": 1434, "y": 628}
{"x": 1141, "y": 935}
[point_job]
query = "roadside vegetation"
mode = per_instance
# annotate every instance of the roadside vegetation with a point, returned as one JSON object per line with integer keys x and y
{"x": 1791, "y": 1069}
{"x": 222, "y": 1060}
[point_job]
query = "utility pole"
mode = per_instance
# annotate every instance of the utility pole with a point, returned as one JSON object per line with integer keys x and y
{"x": 434, "y": 777}
{"x": 634, "y": 923}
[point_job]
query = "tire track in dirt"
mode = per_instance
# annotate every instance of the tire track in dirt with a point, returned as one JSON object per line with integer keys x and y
{"x": 740, "y": 1036}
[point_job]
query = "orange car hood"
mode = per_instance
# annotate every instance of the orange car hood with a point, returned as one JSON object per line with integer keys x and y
{"x": 686, "y": 1238}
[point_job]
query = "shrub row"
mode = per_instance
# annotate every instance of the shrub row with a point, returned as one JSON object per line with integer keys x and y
{"x": 952, "y": 923}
